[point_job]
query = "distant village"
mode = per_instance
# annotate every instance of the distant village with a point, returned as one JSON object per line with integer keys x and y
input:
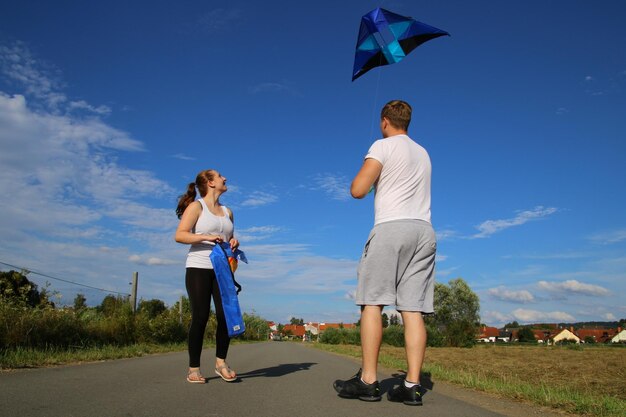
{"x": 551, "y": 334}
{"x": 539, "y": 333}
{"x": 305, "y": 332}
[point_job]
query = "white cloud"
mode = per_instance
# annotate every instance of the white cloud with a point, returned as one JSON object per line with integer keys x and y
{"x": 589, "y": 78}
{"x": 259, "y": 198}
{"x": 293, "y": 269}
{"x": 495, "y": 317}
{"x": 573, "y": 286}
{"x": 534, "y": 316}
{"x": 445, "y": 272}
{"x": 609, "y": 316}
{"x": 18, "y": 65}
{"x": 446, "y": 234}
{"x": 78, "y": 208}
{"x": 138, "y": 259}
{"x": 521, "y": 296}
{"x": 256, "y": 233}
{"x": 336, "y": 186}
{"x": 489, "y": 227}
{"x": 83, "y": 105}
{"x": 562, "y": 110}
{"x": 183, "y": 157}
{"x": 609, "y": 238}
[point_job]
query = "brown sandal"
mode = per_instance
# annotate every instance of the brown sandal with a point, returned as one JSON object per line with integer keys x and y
{"x": 195, "y": 377}
{"x": 219, "y": 369}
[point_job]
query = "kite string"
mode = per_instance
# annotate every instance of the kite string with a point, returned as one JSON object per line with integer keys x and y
{"x": 374, "y": 118}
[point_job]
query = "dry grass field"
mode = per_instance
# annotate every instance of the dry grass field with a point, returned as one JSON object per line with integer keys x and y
{"x": 590, "y": 369}
{"x": 588, "y": 380}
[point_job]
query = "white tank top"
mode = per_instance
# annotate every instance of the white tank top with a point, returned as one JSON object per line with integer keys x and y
{"x": 208, "y": 224}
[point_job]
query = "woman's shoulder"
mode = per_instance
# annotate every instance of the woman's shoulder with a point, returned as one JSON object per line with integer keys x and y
{"x": 228, "y": 211}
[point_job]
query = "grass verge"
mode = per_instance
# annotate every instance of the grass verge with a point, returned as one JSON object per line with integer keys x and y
{"x": 35, "y": 358}
{"x": 588, "y": 382}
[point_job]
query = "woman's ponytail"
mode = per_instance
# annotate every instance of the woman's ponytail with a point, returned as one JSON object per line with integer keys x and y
{"x": 202, "y": 181}
{"x": 186, "y": 199}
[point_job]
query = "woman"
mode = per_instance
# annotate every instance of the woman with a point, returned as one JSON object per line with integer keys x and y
{"x": 203, "y": 223}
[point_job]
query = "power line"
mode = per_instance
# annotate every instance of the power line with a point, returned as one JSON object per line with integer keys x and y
{"x": 63, "y": 280}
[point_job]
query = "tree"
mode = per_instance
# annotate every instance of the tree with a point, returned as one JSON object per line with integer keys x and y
{"x": 151, "y": 308}
{"x": 111, "y": 304}
{"x": 394, "y": 320}
{"x": 385, "y": 320}
{"x": 525, "y": 334}
{"x": 15, "y": 287}
{"x": 513, "y": 325}
{"x": 80, "y": 302}
{"x": 456, "y": 312}
{"x": 296, "y": 321}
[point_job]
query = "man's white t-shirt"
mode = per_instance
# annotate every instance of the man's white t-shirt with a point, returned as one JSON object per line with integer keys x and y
{"x": 403, "y": 187}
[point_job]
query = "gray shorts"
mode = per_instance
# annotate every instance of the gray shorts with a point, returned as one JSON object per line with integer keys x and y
{"x": 398, "y": 266}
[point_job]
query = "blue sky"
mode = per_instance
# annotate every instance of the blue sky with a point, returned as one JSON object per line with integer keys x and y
{"x": 108, "y": 110}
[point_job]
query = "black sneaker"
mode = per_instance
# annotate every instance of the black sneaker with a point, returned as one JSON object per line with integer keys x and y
{"x": 355, "y": 388}
{"x": 409, "y": 396}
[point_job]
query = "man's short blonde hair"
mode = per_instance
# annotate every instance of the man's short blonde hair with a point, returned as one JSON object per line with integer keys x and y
{"x": 398, "y": 113}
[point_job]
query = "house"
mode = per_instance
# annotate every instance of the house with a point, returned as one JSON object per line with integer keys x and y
{"x": 314, "y": 328}
{"x": 319, "y": 328}
{"x": 620, "y": 337}
{"x": 295, "y": 330}
{"x": 566, "y": 335}
{"x": 505, "y": 336}
{"x": 324, "y": 326}
{"x": 595, "y": 335}
{"x": 488, "y": 334}
{"x": 542, "y": 335}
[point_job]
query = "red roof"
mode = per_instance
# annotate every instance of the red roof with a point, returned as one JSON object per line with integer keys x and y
{"x": 487, "y": 332}
{"x": 294, "y": 329}
{"x": 598, "y": 335}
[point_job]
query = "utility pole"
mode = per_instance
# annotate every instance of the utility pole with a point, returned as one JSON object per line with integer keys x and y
{"x": 180, "y": 310}
{"x": 133, "y": 293}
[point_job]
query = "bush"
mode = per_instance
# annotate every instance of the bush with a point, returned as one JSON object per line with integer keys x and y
{"x": 434, "y": 336}
{"x": 341, "y": 336}
{"x": 394, "y": 336}
{"x": 111, "y": 323}
{"x": 256, "y": 327}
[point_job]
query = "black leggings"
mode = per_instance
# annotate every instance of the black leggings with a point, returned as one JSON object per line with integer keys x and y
{"x": 201, "y": 283}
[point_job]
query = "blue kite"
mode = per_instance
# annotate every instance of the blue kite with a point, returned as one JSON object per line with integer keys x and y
{"x": 386, "y": 38}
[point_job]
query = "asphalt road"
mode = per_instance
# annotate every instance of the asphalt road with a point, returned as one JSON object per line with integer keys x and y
{"x": 276, "y": 379}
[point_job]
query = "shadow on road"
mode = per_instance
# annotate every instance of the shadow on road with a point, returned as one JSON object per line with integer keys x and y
{"x": 279, "y": 370}
{"x": 398, "y": 377}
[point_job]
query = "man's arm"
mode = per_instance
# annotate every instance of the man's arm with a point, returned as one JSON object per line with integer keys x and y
{"x": 367, "y": 176}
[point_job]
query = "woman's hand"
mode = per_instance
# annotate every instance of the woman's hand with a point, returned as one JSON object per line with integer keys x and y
{"x": 234, "y": 243}
{"x": 213, "y": 238}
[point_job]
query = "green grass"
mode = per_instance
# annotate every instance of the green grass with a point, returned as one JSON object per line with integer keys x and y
{"x": 34, "y": 358}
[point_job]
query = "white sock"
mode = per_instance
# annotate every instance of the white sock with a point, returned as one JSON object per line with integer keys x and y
{"x": 364, "y": 381}
{"x": 409, "y": 384}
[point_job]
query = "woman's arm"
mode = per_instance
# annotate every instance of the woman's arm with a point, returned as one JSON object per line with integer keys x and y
{"x": 234, "y": 243}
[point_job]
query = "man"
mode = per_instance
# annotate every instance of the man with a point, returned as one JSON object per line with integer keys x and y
{"x": 398, "y": 261}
